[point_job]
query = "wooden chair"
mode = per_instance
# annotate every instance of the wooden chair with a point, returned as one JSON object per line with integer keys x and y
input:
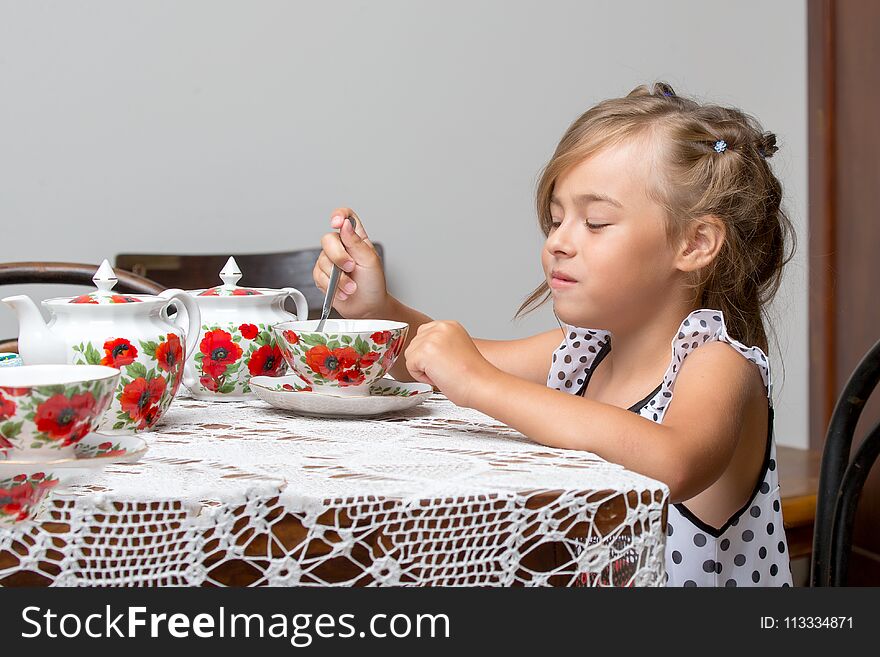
{"x": 67, "y": 273}
{"x": 841, "y": 478}
{"x": 275, "y": 270}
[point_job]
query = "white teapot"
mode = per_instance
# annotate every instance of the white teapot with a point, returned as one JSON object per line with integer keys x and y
{"x": 236, "y": 340}
{"x": 131, "y": 332}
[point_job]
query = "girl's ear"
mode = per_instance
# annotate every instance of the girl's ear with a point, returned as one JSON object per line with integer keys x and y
{"x": 701, "y": 243}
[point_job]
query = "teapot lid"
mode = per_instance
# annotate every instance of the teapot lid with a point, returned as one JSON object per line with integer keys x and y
{"x": 105, "y": 279}
{"x": 230, "y": 274}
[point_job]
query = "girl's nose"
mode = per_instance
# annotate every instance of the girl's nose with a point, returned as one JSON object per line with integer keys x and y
{"x": 559, "y": 241}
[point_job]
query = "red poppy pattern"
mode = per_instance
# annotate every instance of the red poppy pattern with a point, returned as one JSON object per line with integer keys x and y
{"x": 113, "y": 298}
{"x": 221, "y": 291}
{"x": 108, "y": 449}
{"x": 20, "y": 495}
{"x": 248, "y": 331}
{"x": 14, "y": 392}
{"x": 66, "y": 420}
{"x": 140, "y": 399}
{"x": 229, "y": 354}
{"x": 218, "y": 351}
{"x": 266, "y": 361}
{"x": 151, "y": 375}
{"x": 341, "y": 360}
{"x": 169, "y": 354}
{"x": 381, "y": 337}
{"x": 7, "y": 408}
{"x": 121, "y": 298}
{"x": 118, "y": 353}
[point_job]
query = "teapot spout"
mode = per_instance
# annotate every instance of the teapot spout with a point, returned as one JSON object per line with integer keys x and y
{"x": 36, "y": 342}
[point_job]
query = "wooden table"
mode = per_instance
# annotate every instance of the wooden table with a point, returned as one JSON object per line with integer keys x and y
{"x": 798, "y": 481}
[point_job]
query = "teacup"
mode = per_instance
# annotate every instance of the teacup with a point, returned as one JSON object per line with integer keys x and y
{"x": 346, "y": 357}
{"x": 45, "y": 410}
{"x": 24, "y": 487}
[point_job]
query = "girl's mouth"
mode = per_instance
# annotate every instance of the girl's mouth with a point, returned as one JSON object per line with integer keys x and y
{"x": 558, "y": 280}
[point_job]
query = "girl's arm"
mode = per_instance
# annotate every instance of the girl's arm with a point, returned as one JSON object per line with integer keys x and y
{"x": 526, "y": 358}
{"x": 689, "y": 451}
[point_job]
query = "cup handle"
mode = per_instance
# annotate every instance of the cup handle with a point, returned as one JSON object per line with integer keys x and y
{"x": 302, "y": 306}
{"x": 181, "y": 299}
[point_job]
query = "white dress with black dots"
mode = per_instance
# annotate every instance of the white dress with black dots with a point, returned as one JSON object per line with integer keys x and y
{"x": 750, "y": 548}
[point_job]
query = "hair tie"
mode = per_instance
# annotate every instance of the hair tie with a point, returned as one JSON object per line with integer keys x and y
{"x": 720, "y": 146}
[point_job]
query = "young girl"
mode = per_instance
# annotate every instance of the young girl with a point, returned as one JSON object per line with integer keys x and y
{"x": 663, "y": 222}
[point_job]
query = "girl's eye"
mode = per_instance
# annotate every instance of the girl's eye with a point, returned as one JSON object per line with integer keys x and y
{"x": 593, "y": 226}
{"x": 554, "y": 224}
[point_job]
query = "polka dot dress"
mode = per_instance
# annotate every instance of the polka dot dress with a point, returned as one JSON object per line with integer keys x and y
{"x": 747, "y": 550}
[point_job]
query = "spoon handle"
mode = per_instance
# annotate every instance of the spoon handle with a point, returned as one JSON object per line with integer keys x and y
{"x": 331, "y": 287}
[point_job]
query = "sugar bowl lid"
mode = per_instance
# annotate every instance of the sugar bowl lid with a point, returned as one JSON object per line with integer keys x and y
{"x": 230, "y": 275}
{"x": 104, "y": 279}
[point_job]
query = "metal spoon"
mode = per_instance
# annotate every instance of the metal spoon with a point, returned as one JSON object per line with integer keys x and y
{"x": 331, "y": 287}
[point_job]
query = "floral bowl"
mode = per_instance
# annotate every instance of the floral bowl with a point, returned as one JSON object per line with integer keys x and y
{"x": 23, "y": 487}
{"x": 45, "y": 410}
{"x": 346, "y": 357}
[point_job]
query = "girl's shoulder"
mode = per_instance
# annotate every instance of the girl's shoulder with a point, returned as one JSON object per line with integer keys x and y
{"x": 703, "y": 339}
{"x": 711, "y": 370}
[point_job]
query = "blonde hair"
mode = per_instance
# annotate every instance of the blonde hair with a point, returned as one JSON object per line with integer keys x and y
{"x": 734, "y": 183}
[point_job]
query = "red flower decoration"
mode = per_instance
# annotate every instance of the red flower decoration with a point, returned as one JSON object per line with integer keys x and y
{"x": 381, "y": 337}
{"x": 244, "y": 292}
{"x": 84, "y": 298}
{"x": 169, "y": 353}
{"x": 219, "y": 350}
{"x": 368, "y": 359}
{"x": 291, "y": 337}
{"x": 210, "y": 293}
{"x": 7, "y": 408}
{"x": 249, "y": 331}
{"x": 389, "y": 356}
{"x": 105, "y": 446}
{"x": 329, "y": 363}
{"x": 15, "y": 509}
{"x": 210, "y": 383}
{"x": 119, "y": 298}
{"x": 66, "y": 419}
{"x": 119, "y": 353}
{"x": 140, "y": 400}
{"x": 266, "y": 360}
{"x": 15, "y": 392}
{"x": 352, "y": 377}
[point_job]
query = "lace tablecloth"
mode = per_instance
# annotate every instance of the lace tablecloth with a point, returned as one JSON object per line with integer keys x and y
{"x": 239, "y": 493}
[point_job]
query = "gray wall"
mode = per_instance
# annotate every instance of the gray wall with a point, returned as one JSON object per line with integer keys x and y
{"x": 211, "y": 126}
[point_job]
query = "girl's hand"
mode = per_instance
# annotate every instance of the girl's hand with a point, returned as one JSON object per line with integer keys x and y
{"x": 443, "y": 355}
{"x": 362, "y": 292}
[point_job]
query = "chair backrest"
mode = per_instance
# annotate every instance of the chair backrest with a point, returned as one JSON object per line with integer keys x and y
{"x": 68, "y": 273}
{"x": 275, "y": 270}
{"x": 72, "y": 273}
{"x": 841, "y": 479}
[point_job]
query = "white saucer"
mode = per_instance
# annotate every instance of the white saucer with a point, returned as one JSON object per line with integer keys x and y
{"x": 113, "y": 449}
{"x": 291, "y": 394}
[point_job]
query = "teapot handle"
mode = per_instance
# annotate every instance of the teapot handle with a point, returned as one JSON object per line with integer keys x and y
{"x": 181, "y": 299}
{"x": 302, "y": 306}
